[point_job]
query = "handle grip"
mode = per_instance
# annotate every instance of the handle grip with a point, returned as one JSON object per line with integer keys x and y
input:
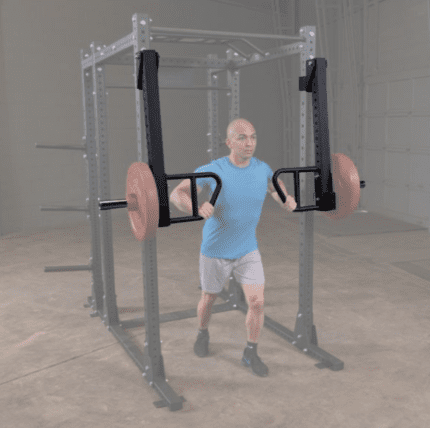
{"x": 122, "y": 203}
{"x": 296, "y": 172}
{"x": 193, "y": 177}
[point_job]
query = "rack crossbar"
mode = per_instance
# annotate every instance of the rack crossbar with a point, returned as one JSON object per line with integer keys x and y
{"x": 202, "y": 34}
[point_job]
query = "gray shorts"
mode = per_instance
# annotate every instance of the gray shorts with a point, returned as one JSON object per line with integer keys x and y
{"x": 214, "y": 273}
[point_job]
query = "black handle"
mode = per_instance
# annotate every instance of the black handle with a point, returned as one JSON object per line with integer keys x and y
{"x": 110, "y": 205}
{"x": 296, "y": 172}
{"x": 193, "y": 177}
{"x": 325, "y": 202}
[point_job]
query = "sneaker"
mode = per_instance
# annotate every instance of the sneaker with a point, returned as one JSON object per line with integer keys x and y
{"x": 253, "y": 361}
{"x": 201, "y": 347}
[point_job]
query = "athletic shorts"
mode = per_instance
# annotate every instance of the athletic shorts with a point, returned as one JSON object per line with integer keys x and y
{"x": 214, "y": 272}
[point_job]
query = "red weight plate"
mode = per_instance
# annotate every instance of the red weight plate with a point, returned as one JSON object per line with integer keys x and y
{"x": 346, "y": 183}
{"x": 142, "y": 201}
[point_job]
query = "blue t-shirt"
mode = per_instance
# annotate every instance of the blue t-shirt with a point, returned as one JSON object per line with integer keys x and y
{"x": 230, "y": 232}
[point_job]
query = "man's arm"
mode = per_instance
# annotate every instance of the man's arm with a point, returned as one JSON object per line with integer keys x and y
{"x": 271, "y": 189}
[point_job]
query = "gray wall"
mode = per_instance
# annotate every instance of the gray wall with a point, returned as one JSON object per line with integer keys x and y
{"x": 42, "y": 101}
{"x": 396, "y": 125}
{"x": 384, "y": 126}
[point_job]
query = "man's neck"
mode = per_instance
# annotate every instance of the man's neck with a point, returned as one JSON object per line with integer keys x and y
{"x": 238, "y": 164}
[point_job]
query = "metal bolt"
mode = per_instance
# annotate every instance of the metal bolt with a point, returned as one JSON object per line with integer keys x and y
{"x": 234, "y": 306}
{"x": 305, "y": 350}
{"x": 85, "y": 156}
{"x": 161, "y": 341}
{"x": 299, "y": 336}
{"x": 299, "y": 315}
{"x": 294, "y": 342}
{"x": 150, "y": 383}
{"x": 208, "y": 134}
{"x": 144, "y": 374}
{"x": 146, "y": 343}
{"x": 147, "y": 367}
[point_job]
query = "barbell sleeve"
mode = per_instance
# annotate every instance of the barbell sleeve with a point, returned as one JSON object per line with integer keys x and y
{"x": 110, "y": 205}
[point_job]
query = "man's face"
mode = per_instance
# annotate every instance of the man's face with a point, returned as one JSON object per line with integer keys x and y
{"x": 243, "y": 141}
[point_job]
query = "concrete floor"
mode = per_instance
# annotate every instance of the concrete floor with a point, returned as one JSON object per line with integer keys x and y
{"x": 62, "y": 368}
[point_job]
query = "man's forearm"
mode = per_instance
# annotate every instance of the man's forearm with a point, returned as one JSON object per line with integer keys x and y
{"x": 275, "y": 195}
{"x": 182, "y": 201}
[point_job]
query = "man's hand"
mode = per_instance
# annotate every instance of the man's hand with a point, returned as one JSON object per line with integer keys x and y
{"x": 206, "y": 210}
{"x": 290, "y": 204}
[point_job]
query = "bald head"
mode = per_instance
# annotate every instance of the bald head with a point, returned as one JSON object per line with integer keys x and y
{"x": 241, "y": 140}
{"x": 239, "y": 126}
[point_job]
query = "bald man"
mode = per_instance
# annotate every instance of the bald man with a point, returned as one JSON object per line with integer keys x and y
{"x": 229, "y": 240}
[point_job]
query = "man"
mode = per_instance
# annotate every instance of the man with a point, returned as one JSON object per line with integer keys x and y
{"x": 229, "y": 241}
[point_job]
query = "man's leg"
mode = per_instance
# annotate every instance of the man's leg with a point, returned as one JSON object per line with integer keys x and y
{"x": 255, "y": 317}
{"x": 204, "y": 309}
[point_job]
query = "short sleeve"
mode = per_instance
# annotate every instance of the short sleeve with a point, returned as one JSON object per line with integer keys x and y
{"x": 269, "y": 171}
{"x": 205, "y": 181}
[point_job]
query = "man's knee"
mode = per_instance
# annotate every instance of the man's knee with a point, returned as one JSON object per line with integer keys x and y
{"x": 208, "y": 296}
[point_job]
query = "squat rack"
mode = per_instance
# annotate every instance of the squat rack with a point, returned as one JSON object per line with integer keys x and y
{"x": 126, "y": 51}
